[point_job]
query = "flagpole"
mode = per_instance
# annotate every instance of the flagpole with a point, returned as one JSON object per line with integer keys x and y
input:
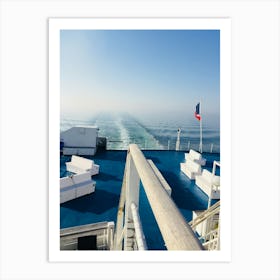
{"x": 200, "y": 144}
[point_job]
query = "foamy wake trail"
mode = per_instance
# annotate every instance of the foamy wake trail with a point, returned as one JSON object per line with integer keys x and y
{"x": 124, "y": 135}
{"x": 130, "y": 132}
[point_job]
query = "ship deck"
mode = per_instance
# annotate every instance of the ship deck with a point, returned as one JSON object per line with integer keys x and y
{"x": 102, "y": 205}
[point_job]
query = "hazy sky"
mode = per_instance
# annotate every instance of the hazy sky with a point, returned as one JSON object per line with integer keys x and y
{"x": 140, "y": 71}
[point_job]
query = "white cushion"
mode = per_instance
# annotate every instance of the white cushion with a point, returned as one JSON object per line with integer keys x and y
{"x": 81, "y": 162}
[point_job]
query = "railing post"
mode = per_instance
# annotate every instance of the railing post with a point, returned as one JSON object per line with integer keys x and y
{"x": 215, "y": 164}
{"x": 177, "y": 148}
{"x": 132, "y": 196}
{"x": 120, "y": 217}
{"x": 139, "y": 234}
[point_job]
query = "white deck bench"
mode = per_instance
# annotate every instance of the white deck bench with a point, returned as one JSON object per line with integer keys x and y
{"x": 196, "y": 157}
{"x": 209, "y": 183}
{"x": 75, "y": 186}
{"x": 81, "y": 165}
{"x": 190, "y": 168}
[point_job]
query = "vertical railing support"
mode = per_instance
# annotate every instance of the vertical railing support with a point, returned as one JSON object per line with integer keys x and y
{"x": 132, "y": 196}
{"x": 215, "y": 164}
{"x": 120, "y": 216}
{"x": 177, "y": 148}
{"x": 139, "y": 234}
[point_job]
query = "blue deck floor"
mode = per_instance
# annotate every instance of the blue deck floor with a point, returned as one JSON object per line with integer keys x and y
{"x": 102, "y": 205}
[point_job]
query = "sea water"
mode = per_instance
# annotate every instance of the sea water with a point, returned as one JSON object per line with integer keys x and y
{"x": 159, "y": 133}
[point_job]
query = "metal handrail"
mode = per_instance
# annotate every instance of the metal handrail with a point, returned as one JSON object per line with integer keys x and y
{"x": 210, "y": 212}
{"x": 176, "y": 232}
{"x": 170, "y": 145}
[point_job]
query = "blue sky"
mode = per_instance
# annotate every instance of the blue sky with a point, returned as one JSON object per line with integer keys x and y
{"x": 156, "y": 72}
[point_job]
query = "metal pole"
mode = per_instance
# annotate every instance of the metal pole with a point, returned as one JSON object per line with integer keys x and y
{"x": 132, "y": 195}
{"x": 139, "y": 234}
{"x": 120, "y": 215}
{"x": 178, "y": 139}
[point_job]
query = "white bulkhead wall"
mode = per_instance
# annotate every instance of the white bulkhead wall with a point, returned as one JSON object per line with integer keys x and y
{"x": 80, "y": 136}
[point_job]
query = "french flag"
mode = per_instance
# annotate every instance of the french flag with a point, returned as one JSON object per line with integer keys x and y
{"x": 197, "y": 112}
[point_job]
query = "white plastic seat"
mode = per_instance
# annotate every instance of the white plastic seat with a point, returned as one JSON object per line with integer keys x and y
{"x": 81, "y": 165}
{"x": 196, "y": 157}
{"x": 209, "y": 183}
{"x": 190, "y": 168}
{"x": 76, "y": 186}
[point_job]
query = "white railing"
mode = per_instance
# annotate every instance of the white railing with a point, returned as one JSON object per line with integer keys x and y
{"x": 215, "y": 164}
{"x": 176, "y": 232}
{"x": 211, "y": 240}
{"x": 210, "y": 218}
{"x": 207, "y": 214}
{"x": 170, "y": 145}
{"x": 139, "y": 234}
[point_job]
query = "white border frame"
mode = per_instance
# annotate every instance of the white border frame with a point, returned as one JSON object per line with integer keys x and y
{"x": 55, "y": 25}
